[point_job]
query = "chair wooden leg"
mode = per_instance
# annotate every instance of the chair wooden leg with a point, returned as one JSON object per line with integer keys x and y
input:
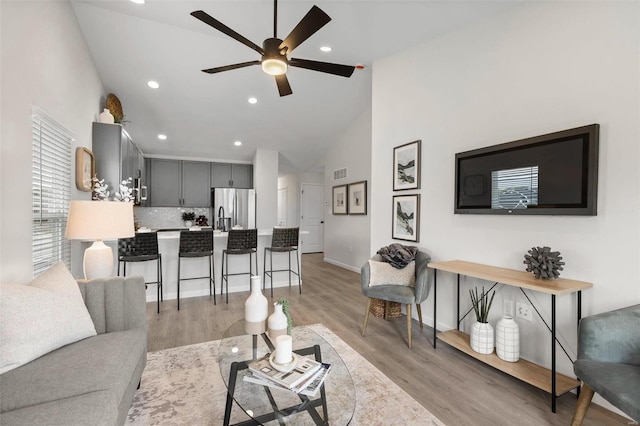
{"x": 419, "y": 308}
{"x": 366, "y": 315}
{"x": 409, "y": 323}
{"x": 586, "y": 394}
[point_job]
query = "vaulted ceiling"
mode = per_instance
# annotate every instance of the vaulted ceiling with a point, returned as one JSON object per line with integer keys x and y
{"x": 203, "y": 114}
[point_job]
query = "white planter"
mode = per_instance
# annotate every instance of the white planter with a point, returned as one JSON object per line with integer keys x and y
{"x": 508, "y": 339}
{"x": 256, "y": 309}
{"x": 277, "y": 322}
{"x": 481, "y": 338}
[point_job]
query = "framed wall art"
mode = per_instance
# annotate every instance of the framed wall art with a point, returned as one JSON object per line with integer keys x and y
{"x": 358, "y": 197}
{"x": 340, "y": 205}
{"x": 406, "y": 218}
{"x": 406, "y": 166}
{"x": 85, "y": 169}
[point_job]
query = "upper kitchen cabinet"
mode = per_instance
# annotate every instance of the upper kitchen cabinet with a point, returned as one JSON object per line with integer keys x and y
{"x": 224, "y": 175}
{"x": 117, "y": 158}
{"x": 175, "y": 183}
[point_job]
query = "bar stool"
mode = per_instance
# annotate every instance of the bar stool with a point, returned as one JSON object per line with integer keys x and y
{"x": 239, "y": 242}
{"x": 283, "y": 240}
{"x": 195, "y": 244}
{"x": 143, "y": 247}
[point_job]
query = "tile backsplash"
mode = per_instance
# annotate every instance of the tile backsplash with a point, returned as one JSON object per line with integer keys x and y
{"x": 167, "y": 217}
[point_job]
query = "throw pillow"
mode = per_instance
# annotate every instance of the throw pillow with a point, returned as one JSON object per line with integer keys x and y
{"x": 40, "y": 317}
{"x": 383, "y": 273}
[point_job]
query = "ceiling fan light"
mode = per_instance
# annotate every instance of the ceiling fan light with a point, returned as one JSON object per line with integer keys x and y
{"x": 274, "y": 66}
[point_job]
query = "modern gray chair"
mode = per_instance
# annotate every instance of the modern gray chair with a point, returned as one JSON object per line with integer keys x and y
{"x": 283, "y": 240}
{"x": 194, "y": 244}
{"x": 398, "y": 293}
{"x": 142, "y": 247}
{"x": 609, "y": 361}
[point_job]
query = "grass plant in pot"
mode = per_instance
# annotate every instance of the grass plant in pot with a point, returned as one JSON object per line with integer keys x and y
{"x": 481, "y": 336}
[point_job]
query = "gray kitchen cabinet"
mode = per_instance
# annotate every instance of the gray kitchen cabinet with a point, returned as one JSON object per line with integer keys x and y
{"x": 116, "y": 156}
{"x": 175, "y": 183}
{"x": 226, "y": 175}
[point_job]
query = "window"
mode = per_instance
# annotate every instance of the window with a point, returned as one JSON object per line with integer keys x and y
{"x": 514, "y": 188}
{"x": 51, "y": 189}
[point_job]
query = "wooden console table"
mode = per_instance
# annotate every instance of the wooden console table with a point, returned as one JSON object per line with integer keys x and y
{"x": 548, "y": 380}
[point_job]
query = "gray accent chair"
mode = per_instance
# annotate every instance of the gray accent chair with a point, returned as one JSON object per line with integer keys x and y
{"x": 398, "y": 293}
{"x": 91, "y": 381}
{"x": 609, "y": 361}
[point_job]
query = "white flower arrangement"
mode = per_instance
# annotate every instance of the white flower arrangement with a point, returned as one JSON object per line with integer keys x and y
{"x": 100, "y": 191}
{"x": 126, "y": 192}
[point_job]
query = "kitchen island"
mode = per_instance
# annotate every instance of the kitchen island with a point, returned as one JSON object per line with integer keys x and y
{"x": 168, "y": 244}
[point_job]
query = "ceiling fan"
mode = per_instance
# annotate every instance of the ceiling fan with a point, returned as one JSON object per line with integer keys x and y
{"x": 275, "y": 51}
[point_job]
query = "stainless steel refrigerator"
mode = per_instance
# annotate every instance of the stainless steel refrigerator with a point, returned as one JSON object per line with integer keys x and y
{"x": 233, "y": 207}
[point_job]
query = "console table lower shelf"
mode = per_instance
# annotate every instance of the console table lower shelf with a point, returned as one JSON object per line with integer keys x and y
{"x": 524, "y": 370}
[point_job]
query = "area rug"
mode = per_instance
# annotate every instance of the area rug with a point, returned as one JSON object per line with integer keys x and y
{"x": 183, "y": 386}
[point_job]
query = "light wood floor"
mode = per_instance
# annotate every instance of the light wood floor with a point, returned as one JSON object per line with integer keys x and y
{"x": 454, "y": 387}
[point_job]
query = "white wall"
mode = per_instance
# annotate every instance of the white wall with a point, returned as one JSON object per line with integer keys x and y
{"x": 346, "y": 237}
{"x": 265, "y": 182}
{"x": 539, "y": 68}
{"x": 46, "y": 63}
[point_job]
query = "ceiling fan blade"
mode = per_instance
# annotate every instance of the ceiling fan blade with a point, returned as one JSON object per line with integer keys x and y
{"x": 209, "y": 20}
{"x": 329, "y": 68}
{"x": 283, "y": 85}
{"x": 312, "y": 22}
{"x": 231, "y": 67}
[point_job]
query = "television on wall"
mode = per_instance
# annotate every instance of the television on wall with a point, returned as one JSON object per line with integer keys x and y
{"x": 552, "y": 174}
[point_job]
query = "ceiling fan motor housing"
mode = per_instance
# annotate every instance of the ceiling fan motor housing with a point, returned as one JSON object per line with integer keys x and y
{"x": 272, "y": 50}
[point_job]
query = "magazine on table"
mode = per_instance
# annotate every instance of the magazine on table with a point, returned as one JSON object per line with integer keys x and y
{"x": 308, "y": 387}
{"x": 303, "y": 370}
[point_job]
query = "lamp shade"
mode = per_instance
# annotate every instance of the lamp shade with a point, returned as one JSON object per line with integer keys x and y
{"x": 99, "y": 220}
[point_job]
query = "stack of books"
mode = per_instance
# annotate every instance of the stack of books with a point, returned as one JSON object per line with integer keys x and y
{"x": 306, "y": 377}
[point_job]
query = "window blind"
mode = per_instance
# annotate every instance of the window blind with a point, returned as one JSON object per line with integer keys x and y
{"x": 514, "y": 188}
{"x": 51, "y": 190}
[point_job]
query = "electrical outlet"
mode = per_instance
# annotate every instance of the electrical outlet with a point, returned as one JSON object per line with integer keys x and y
{"x": 523, "y": 311}
{"x": 507, "y": 307}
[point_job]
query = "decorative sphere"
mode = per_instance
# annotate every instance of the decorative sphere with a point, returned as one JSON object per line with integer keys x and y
{"x": 543, "y": 262}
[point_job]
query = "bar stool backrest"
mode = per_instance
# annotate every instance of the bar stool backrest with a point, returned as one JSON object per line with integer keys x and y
{"x": 285, "y": 237}
{"x": 142, "y": 244}
{"x": 242, "y": 239}
{"x": 196, "y": 242}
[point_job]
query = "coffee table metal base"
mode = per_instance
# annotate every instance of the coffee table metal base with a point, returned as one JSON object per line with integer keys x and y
{"x": 306, "y": 404}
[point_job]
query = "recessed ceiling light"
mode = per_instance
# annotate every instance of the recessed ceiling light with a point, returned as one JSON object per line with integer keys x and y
{"x": 138, "y": 1}
{"x": 162, "y": 137}
{"x": 326, "y": 48}
{"x": 253, "y": 100}
{"x": 153, "y": 84}
{"x": 237, "y": 143}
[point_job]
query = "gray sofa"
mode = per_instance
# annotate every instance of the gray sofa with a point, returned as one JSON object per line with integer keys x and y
{"x": 92, "y": 381}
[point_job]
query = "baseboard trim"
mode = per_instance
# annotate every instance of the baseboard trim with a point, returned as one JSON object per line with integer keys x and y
{"x": 342, "y": 265}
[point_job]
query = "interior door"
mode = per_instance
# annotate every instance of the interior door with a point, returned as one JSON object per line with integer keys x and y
{"x": 311, "y": 217}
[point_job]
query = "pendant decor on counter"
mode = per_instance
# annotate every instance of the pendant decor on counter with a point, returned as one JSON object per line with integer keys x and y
{"x": 188, "y": 218}
{"x": 508, "y": 339}
{"x": 106, "y": 117}
{"x": 277, "y": 322}
{"x": 544, "y": 263}
{"x": 481, "y": 337}
{"x": 256, "y": 309}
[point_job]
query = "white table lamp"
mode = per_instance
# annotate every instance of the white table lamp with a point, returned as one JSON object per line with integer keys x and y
{"x": 97, "y": 221}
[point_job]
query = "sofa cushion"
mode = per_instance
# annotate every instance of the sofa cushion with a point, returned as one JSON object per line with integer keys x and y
{"x": 42, "y": 316}
{"x": 94, "y": 408}
{"x": 383, "y": 273}
{"x": 105, "y": 361}
{"x": 617, "y": 383}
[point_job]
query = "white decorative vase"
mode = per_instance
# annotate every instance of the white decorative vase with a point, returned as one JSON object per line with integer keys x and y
{"x": 481, "y": 338}
{"x": 508, "y": 339}
{"x": 106, "y": 117}
{"x": 277, "y": 322}
{"x": 256, "y": 309}
{"x": 188, "y": 223}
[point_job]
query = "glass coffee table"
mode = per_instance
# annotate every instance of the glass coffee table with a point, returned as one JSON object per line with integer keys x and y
{"x": 334, "y": 404}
